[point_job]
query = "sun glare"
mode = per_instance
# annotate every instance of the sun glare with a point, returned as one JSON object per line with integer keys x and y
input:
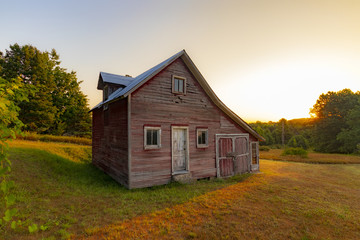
{"x": 284, "y": 89}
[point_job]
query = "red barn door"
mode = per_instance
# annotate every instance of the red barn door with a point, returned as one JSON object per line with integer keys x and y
{"x": 225, "y": 162}
{"x": 232, "y": 154}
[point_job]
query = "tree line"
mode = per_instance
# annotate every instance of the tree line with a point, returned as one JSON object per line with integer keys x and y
{"x": 333, "y": 128}
{"x": 56, "y": 105}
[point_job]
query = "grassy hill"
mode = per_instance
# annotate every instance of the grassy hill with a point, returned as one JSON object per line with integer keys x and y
{"x": 58, "y": 189}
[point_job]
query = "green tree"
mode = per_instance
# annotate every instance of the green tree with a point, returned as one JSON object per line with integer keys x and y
{"x": 59, "y": 106}
{"x": 73, "y": 116}
{"x": 298, "y": 141}
{"x": 335, "y": 121}
{"x": 34, "y": 68}
{"x": 10, "y": 92}
{"x": 350, "y": 136}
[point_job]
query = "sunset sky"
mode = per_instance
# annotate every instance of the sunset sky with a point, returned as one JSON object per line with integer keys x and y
{"x": 265, "y": 59}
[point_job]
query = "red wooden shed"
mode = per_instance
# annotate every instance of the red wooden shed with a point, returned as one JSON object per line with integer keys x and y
{"x": 167, "y": 124}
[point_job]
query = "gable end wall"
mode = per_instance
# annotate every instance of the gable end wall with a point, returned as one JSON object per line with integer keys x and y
{"x": 155, "y": 104}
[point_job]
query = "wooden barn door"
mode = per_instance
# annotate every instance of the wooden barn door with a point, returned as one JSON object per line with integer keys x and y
{"x": 242, "y": 158}
{"x": 180, "y": 149}
{"x": 225, "y": 161}
{"x": 232, "y": 154}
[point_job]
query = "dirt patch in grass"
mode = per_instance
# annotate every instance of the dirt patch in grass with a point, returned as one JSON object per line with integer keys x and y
{"x": 313, "y": 157}
{"x": 285, "y": 201}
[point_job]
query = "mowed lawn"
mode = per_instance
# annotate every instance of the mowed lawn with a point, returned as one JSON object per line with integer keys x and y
{"x": 58, "y": 188}
{"x": 313, "y": 157}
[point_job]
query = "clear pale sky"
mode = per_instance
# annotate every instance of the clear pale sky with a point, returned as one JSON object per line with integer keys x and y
{"x": 266, "y": 60}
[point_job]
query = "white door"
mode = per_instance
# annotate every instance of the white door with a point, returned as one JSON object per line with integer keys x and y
{"x": 179, "y": 149}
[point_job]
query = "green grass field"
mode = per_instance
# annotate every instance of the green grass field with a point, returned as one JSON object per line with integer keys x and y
{"x": 313, "y": 157}
{"x": 58, "y": 189}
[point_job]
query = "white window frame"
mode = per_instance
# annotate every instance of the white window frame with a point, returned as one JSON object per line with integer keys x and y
{"x": 198, "y": 145}
{"x": 173, "y": 84}
{"x": 158, "y": 137}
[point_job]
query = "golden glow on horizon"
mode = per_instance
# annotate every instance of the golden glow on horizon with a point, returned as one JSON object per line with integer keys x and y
{"x": 266, "y": 60}
{"x": 288, "y": 88}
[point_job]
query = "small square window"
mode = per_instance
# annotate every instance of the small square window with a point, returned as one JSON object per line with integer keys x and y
{"x": 202, "y": 137}
{"x": 178, "y": 85}
{"x": 152, "y": 137}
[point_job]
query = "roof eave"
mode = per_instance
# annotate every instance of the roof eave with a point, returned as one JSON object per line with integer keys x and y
{"x": 100, "y": 85}
{"x": 107, "y": 102}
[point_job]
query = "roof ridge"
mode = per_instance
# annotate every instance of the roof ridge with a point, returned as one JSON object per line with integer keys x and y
{"x": 117, "y": 75}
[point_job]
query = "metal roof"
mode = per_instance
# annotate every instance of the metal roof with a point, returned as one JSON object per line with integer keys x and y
{"x": 114, "y": 79}
{"x": 138, "y": 81}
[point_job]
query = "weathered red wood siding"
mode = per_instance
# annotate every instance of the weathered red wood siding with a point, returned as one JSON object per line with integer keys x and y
{"x": 154, "y": 103}
{"x": 110, "y": 141}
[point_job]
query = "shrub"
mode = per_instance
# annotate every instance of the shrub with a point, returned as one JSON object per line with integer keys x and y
{"x": 276, "y": 146}
{"x": 51, "y": 138}
{"x": 295, "y": 151}
{"x": 264, "y": 148}
{"x": 298, "y": 141}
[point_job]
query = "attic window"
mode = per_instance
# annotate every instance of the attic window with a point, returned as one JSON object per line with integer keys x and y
{"x": 152, "y": 137}
{"x": 178, "y": 84}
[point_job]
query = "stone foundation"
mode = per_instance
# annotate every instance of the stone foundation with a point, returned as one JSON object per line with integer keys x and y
{"x": 183, "y": 178}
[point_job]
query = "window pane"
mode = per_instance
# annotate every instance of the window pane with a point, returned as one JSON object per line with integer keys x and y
{"x": 202, "y": 137}
{"x": 203, "y": 134}
{"x": 199, "y": 137}
{"x": 181, "y": 85}
{"x": 154, "y": 137}
{"x": 148, "y": 137}
{"x": 176, "y": 85}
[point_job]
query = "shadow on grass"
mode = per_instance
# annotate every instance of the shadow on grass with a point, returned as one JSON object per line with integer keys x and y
{"x": 49, "y": 166}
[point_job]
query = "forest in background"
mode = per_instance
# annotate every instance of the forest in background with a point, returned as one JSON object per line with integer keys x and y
{"x": 333, "y": 128}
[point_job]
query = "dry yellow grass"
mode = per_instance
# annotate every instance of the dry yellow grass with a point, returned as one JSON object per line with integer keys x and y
{"x": 313, "y": 157}
{"x": 285, "y": 201}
